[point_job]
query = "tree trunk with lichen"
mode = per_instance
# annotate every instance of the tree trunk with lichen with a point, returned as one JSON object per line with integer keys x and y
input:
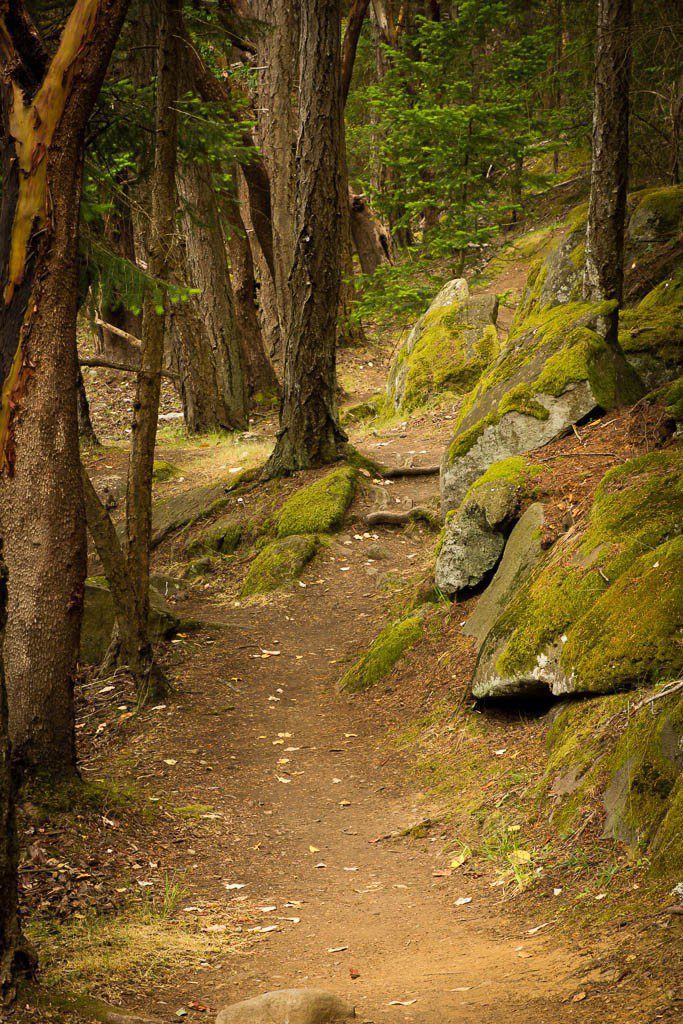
{"x": 46, "y": 105}
{"x": 309, "y": 433}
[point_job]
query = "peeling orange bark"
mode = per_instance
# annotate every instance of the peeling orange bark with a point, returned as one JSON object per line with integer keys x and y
{"x": 32, "y": 125}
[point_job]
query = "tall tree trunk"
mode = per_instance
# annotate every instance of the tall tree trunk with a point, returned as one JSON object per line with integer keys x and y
{"x": 14, "y": 960}
{"x": 604, "y": 269}
{"x": 309, "y": 431}
{"x": 204, "y": 328}
{"x": 45, "y": 111}
{"x": 139, "y": 490}
{"x": 261, "y": 379}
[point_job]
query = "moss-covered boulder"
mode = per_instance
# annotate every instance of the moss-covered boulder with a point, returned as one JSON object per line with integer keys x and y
{"x": 383, "y": 653}
{"x": 279, "y": 564}
{"x": 651, "y": 333}
{"x": 447, "y": 349}
{"x": 624, "y": 760}
{"x": 222, "y": 537}
{"x": 604, "y": 611}
{"x": 553, "y": 373}
{"x": 656, "y": 215}
{"x": 321, "y": 507}
{"x": 98, "y": 619}
{"x": 474, "y": 535}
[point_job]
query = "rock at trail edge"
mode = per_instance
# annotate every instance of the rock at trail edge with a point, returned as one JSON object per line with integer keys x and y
{"x": 289, "y": 1006}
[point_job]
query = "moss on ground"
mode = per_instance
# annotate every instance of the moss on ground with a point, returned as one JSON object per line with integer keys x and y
{"x": 163, "y": 470}
{"x": 321, "y": 507}
{"x": 223, "y": 537}
{"x": 637, "y": 509}
{"x": 281, "y": 562}
{"x": 383, "y": 653}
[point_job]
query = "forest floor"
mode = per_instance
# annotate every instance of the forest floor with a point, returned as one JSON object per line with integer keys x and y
{"x": 260, "y": 830}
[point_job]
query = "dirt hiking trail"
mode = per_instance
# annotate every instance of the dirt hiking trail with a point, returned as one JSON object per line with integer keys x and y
{"x": 315, "y": 805}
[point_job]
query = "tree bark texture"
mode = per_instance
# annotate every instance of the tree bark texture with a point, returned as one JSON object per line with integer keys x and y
{"x": 13, "y": 958}
{"x": 45, "y": 109}
{"x": 204, "y": 328}
{"x": 278, "y": 80}
{"x": 309, "y": 431}
{"x": 371, "y": 240}
{"x": 604, "y": 268}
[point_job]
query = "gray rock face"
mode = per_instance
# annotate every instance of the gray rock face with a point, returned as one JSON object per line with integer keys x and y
{"x": 521, "y": 554}
{"x": 289, "y": 1006}
{"x": 470, "y": 549}
{"x": 514, "y": 434}
{"x": 98, "y": 620}
{"x": 473, "y": 541}
{"x": 447, "y": 349}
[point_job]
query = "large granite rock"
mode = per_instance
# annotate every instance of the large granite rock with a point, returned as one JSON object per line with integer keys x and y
{"x": 603, "y": 611}
{"x": 98, "y": 619}
{"x": 289, "y": 1006}
{"x": 522, "y": 553}
{"x": 474, "y": 536}
{"x": 552, "y": 374}
{"x": 471, "y": 548}
{"x": 447, "y": 349}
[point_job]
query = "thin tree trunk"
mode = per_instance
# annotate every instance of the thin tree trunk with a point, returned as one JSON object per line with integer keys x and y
{"x": 86, "y": 431}
{"x": 354, "y": 24}
{"x": 14, "y": 960}
{"x": 41, "y": 499}
{"x": 204, "y": 329}
{"x": 309, "y": 431}
{"x": 133, "y": 649}
{"x": 139, "y": 490}
{"x": 262, "y": 382}
{"x": 604, "y": 268}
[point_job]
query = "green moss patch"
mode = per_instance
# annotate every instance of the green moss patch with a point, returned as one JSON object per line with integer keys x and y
{"x": 163, "y": 470}
{"x": 280, "y": 563}
{"x": 613, "y": 596}
{"x": 625, "y": 759}
{"x": 321, "y": 507}
{"x": 553, "y": 350}
{"x": 383, "y": 653}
